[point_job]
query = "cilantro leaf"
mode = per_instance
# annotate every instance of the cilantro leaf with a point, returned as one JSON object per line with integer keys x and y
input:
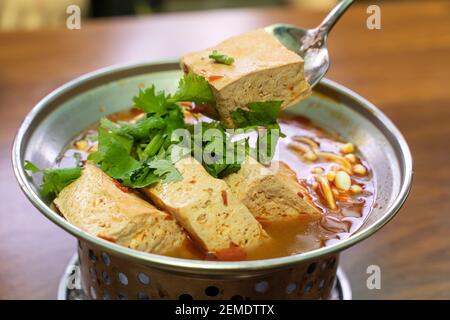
{"x": 174, "y": 120}
{"x": 29, "y": 166}
{"x": 115, "y": 159}
{"x": 258, "y": 114}
{"x": 141, "y": 129}
{"x": 54, "y": 180}
{"x": 123, "y": 138}
{"x": 152, "y": 102}
{"x": 229, "y": 169}
{"x": 166, "y": 170}
{"x": 114, "y": 155}
{"x": 57, "y": 179}
{"x": 221, "y": 58}
{"x": 193, "y": 88}
{"x": 140, "y": 177}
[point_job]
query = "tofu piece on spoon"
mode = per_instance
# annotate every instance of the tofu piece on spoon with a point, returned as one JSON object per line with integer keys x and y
{"x": 272, "y": 193}
{"x": 96, "y": 204}
{"x": 213, "y": 216}
{"x": 263, "y": 70}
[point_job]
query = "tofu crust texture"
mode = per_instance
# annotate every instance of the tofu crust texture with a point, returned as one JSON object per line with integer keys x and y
{"x": 95, "y": 204}
{"x": 263, "y": 70}
{"x": 205, "y": 206}
{"x": 271, "y": 194}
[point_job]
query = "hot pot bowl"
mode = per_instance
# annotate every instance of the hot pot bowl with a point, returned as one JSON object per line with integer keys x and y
{"x": 112, "y": 271}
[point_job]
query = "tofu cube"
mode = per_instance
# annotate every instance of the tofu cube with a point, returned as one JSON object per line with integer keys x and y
{"x": 205, "y": 206}
{"x": 95, "y": 204}
{"x": 263, "y": 70}
{"x": 271, "y": 194}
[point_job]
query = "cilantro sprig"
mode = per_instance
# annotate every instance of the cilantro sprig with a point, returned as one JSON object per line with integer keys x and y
{"x": 138, "y": 154}
{"x": 151, "y": 102}
{"x": 54, "y": 180}
{"x": 117, "y": 159}
{"x": 193, "y": 88}
{"x": 219, "y": 57}
{"x": 258, "y": 114}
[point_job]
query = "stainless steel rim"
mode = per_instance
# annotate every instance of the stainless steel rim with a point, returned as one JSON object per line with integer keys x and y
{"x": 196, "y": 266}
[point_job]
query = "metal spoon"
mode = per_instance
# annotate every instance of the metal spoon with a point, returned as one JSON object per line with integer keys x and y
{"x": 311, "y": 44}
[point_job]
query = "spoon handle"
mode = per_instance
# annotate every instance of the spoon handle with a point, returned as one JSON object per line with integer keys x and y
{"x": 333, "y": 17}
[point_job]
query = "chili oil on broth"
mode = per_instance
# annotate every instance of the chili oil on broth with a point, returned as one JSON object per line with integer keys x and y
{"x": 292, "y": 236}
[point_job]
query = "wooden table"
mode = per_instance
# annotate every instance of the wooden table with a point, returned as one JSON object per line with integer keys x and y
{"x": 403, "y": 68}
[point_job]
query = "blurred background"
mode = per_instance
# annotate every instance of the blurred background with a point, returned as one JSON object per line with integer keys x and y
{"x": 35, "y": 14}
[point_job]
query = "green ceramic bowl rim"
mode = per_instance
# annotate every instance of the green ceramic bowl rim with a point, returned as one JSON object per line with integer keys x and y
{"x": 198, "y": 266}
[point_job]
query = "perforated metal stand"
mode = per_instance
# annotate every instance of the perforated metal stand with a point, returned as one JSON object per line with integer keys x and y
{"x": 341, "y": 290}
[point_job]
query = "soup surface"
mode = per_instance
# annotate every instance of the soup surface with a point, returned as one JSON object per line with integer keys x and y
{"x": 338, "y": 179}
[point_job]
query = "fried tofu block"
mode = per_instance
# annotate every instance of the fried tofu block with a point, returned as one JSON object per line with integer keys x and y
{"x": 207, "y": 209}
{"x": 95, "y": 203}
{"x": 263, "y": 70}
{"x": 271, "y": 194}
